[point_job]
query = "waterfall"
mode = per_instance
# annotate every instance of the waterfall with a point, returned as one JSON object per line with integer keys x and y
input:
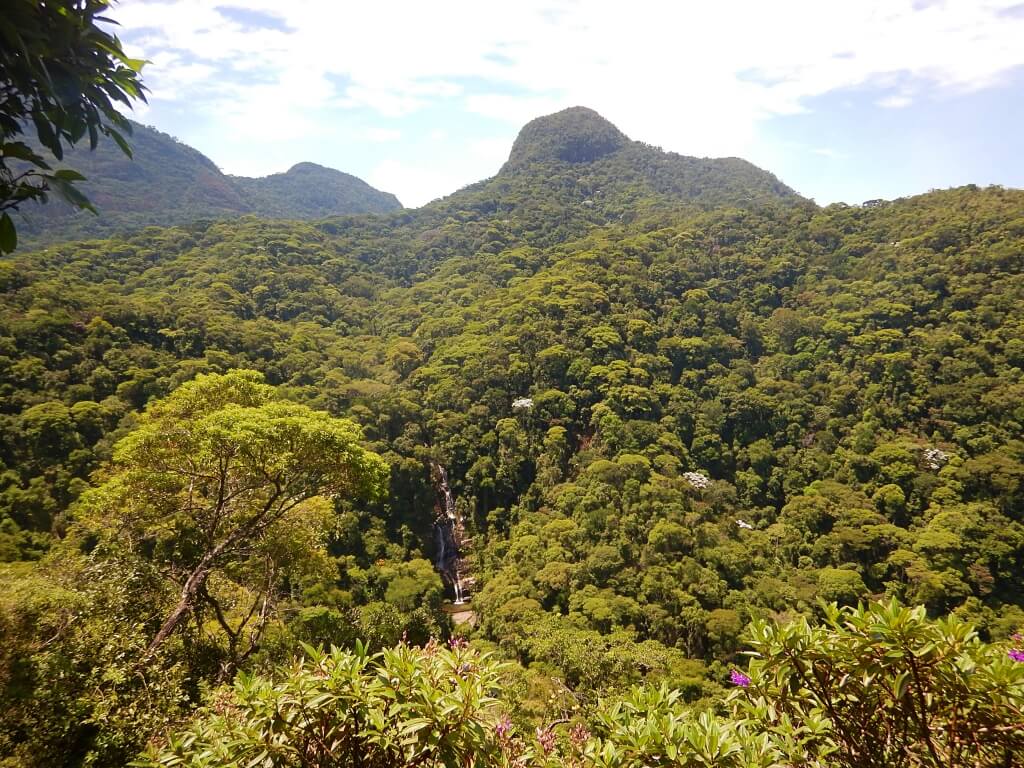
{"x": 450, "y": 538}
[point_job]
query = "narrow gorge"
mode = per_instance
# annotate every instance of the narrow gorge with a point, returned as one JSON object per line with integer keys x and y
{"x": 451, "y": 543}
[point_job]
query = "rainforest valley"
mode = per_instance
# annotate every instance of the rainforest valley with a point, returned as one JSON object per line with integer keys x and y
{"x": 722, "y": 477}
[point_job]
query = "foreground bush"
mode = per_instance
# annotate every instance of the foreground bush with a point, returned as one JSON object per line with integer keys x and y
{"x": 405, "y": 706}
{"x": 869, "y": 687}
{"x": 885, "y": 686}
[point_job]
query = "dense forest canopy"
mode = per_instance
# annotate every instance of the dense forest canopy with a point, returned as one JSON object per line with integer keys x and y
{"x": 676, "y": 404}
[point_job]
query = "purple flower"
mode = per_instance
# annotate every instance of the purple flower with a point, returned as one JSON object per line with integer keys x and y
{"x": 503, "y": 728}
{"x": 1016, "y": 654}
{"x": 579, "y": 734}
{"x": 546, "y": 739}
{"x": 738, "y": 678}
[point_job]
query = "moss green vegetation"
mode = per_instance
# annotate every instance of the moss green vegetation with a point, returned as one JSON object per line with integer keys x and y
{"x": 742, "y": 407}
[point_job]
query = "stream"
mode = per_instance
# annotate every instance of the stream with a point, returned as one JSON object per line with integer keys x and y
{"x": 450, "y": 540}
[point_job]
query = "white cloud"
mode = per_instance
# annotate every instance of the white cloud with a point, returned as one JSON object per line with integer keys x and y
{"x": 514, "y": 109}
{"x": 382, "y": 135}
{"x": 693, "y": 77}
{"x": 416, "y": 184}
{"x": 895, "y": 102}
{"x": 493, "y": 151}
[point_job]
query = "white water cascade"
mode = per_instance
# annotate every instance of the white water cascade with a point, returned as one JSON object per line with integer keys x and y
{"x": 450, "y": 539}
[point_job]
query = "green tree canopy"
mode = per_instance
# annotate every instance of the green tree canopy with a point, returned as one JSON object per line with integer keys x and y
{"x": 221, "y": 477}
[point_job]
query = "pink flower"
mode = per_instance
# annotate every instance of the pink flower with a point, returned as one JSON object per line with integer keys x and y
{"x": 738, "y": 678}
{"x": 546, "y": 739}
{"x": 503, "y": 728}
{"x": 579, "y": 734}
{"x": 1016, "y": 654}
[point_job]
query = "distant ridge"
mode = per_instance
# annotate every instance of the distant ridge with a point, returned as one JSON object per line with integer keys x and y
{"x": 308, "y": 190}
{"x": 578, "y": 139}
{"x": 574, "y": 161}
{"x": 170, "y": 183}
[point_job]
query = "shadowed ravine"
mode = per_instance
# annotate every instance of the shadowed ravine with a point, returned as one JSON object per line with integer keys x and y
{"x": 450, "y": 539}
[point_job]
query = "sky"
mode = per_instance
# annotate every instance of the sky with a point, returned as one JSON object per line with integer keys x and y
{"x": 844, "y": 100}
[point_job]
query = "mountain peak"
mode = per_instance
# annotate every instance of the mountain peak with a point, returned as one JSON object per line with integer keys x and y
{"x": 574, "y": 135}
{"x": 307, "y": 167}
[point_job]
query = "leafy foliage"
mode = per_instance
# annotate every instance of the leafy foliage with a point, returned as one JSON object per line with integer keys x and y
{"x": 404, "y": 706}
{"x": 61, "y": 71}
{"x": 72, "y": 631}
{"x": 219, "y": 499}
{"x": 221, "y": 479}
{"x": 883, "y": 686}
{"x": 921, "y": 694}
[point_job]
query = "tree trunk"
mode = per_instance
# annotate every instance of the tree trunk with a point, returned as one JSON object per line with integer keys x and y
{"x": 188, "y": 597}
{"x": 198, "y": 577}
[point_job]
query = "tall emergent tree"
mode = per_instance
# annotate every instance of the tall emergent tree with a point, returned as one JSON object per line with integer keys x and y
{"x": 61, "y": 72}
{"x": 224, "y": 488}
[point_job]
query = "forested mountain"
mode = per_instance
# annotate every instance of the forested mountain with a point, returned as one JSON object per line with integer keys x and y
{"x": 609, "y": 164}
{"x": 730, "y": 404}
{"x": 310, "y": 191}
{"x": 166, "y": 182}
{"x": 573, "y": 170}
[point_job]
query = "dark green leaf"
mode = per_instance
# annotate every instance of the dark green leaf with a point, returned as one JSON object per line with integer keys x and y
{"x": 120, "y": 141}
{"x": 67, "y": 174}
{"x": 8, "y": 235}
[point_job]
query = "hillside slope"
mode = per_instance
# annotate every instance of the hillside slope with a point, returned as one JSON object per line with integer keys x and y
{"x": 574, "y": 170}
{"x": 607, "y": 163}
{"x": 803, "y": 360}
{"x": 311, "y": 191}
{"x": 738, "y": 402}
{"x": 167, "y": 182}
